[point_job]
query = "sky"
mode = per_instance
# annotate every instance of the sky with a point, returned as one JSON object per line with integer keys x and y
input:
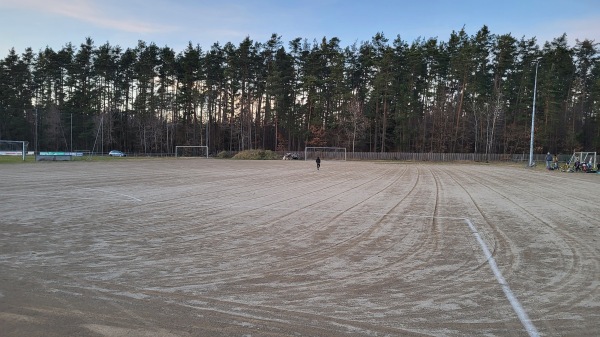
{"x": 175, "y": 23}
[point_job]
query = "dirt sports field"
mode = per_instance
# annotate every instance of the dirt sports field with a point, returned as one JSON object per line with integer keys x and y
{"x": 203, "y": 247}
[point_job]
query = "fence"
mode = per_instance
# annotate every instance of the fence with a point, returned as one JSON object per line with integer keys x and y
{"x": 408, "y": 156}
{"x": 441, "y": 157}
{"x": 433, "y": 157}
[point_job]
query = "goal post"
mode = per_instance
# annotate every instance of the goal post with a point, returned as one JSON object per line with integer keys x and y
{"x": 327, "y": 153}
{"x": 13, "y": 148}
{"x": 589, "y": 158}
{"x": 191, "y": 151}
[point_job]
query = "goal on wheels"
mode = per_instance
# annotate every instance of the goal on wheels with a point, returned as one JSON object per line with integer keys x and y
{"x": 13, "y": 148}
{"x": 327, "y": 153}
{"x": 191, "y": 151}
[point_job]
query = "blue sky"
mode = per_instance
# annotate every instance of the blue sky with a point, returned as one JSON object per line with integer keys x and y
{"x": 174, "y": 23}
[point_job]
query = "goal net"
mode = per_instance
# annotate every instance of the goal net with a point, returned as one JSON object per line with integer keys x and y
{"x": 327, "y": 153}
{"x": 13, "y": 148}
{"x": 585, "y": 161}
{"x": 191, "y": 151}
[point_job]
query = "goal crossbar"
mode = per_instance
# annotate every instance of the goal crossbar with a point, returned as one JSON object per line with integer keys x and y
{"x": 584, "y": 157}
{"x": 325, "y": 152}
{"x": 13, "y": 144}
{"x": 183, "y": 147}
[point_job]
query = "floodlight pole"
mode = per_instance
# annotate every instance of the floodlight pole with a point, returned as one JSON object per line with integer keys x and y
{"x": 537, "y": 62}
{"x": 71, "y": 132}
{"x": 36, "y": 132}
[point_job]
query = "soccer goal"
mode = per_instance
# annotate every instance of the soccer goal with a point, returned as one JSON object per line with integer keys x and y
{"x": 327, "y": 153}
{"x": 13, "y": 148}
{"x": 191, "y": 151}
{"x": 584, "y": 161}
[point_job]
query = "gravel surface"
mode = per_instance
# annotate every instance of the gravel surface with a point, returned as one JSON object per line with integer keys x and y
{"x": 203, "y": 247}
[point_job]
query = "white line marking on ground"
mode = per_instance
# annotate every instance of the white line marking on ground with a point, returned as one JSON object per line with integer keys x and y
{"x": 523, "y": 317}
{"x": 211, "y": 204}
{"x": 125, "y": 195}
{"x": 531, "y": 330}
{"x": 55, "y": 196}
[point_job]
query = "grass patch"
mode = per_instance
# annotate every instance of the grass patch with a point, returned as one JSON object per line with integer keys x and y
{"x": 16, "y": 159}
{"x": 31, "y": 159}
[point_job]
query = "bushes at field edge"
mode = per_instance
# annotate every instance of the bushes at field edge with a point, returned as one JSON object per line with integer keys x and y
{"x": 257, "y": 155}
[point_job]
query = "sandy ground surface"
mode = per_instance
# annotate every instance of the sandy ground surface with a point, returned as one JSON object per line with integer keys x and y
{"x": 202, "y": 247}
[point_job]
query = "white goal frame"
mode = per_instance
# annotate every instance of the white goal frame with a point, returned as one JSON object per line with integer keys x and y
{"x": 190, "y": 146}
{"x": 323, "y": 150}
{"x": 585, "y": 157}
{"x": 22, "y": 151}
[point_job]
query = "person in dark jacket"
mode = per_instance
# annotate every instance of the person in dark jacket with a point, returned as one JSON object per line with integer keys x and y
{"x": 548, "y": 161}
{"x": 318, "y": 163}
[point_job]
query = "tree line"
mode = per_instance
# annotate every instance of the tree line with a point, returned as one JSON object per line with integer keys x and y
{"x": 469, "y": 94}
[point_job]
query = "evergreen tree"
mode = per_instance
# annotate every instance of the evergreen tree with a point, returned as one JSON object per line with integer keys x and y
{"x": 466, "y": 94}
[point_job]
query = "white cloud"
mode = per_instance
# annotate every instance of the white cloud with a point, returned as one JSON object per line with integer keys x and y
{"x": 87, "y": 11}
{"x": 588, "y": 28}
{"x": 576, "y": 29}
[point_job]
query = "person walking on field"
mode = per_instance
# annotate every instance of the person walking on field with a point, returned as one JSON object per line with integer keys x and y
{"x": 318, "y": 162}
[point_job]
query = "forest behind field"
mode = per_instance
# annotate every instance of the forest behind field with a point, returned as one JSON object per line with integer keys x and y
{"x": 466, "y": 94}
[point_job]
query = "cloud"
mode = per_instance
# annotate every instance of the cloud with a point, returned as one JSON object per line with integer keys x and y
{"x": 587, "y": 28}
{"x": 576, "y": 29}
{"x": 88, "y": 11}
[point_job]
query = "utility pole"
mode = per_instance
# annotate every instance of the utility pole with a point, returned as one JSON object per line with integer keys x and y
{"x": 36, "y": 132}
{"x": 537, "y": 63}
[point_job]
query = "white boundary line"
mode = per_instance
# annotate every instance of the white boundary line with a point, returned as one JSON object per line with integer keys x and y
{"x": 111, "y": 192}
{"x": 518, "y": 309}
{"x": 531, "y": 330}
{"x": 53, "y": 196}
{"x": 523, "y": 317}
{"x": 514, "y": 302}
